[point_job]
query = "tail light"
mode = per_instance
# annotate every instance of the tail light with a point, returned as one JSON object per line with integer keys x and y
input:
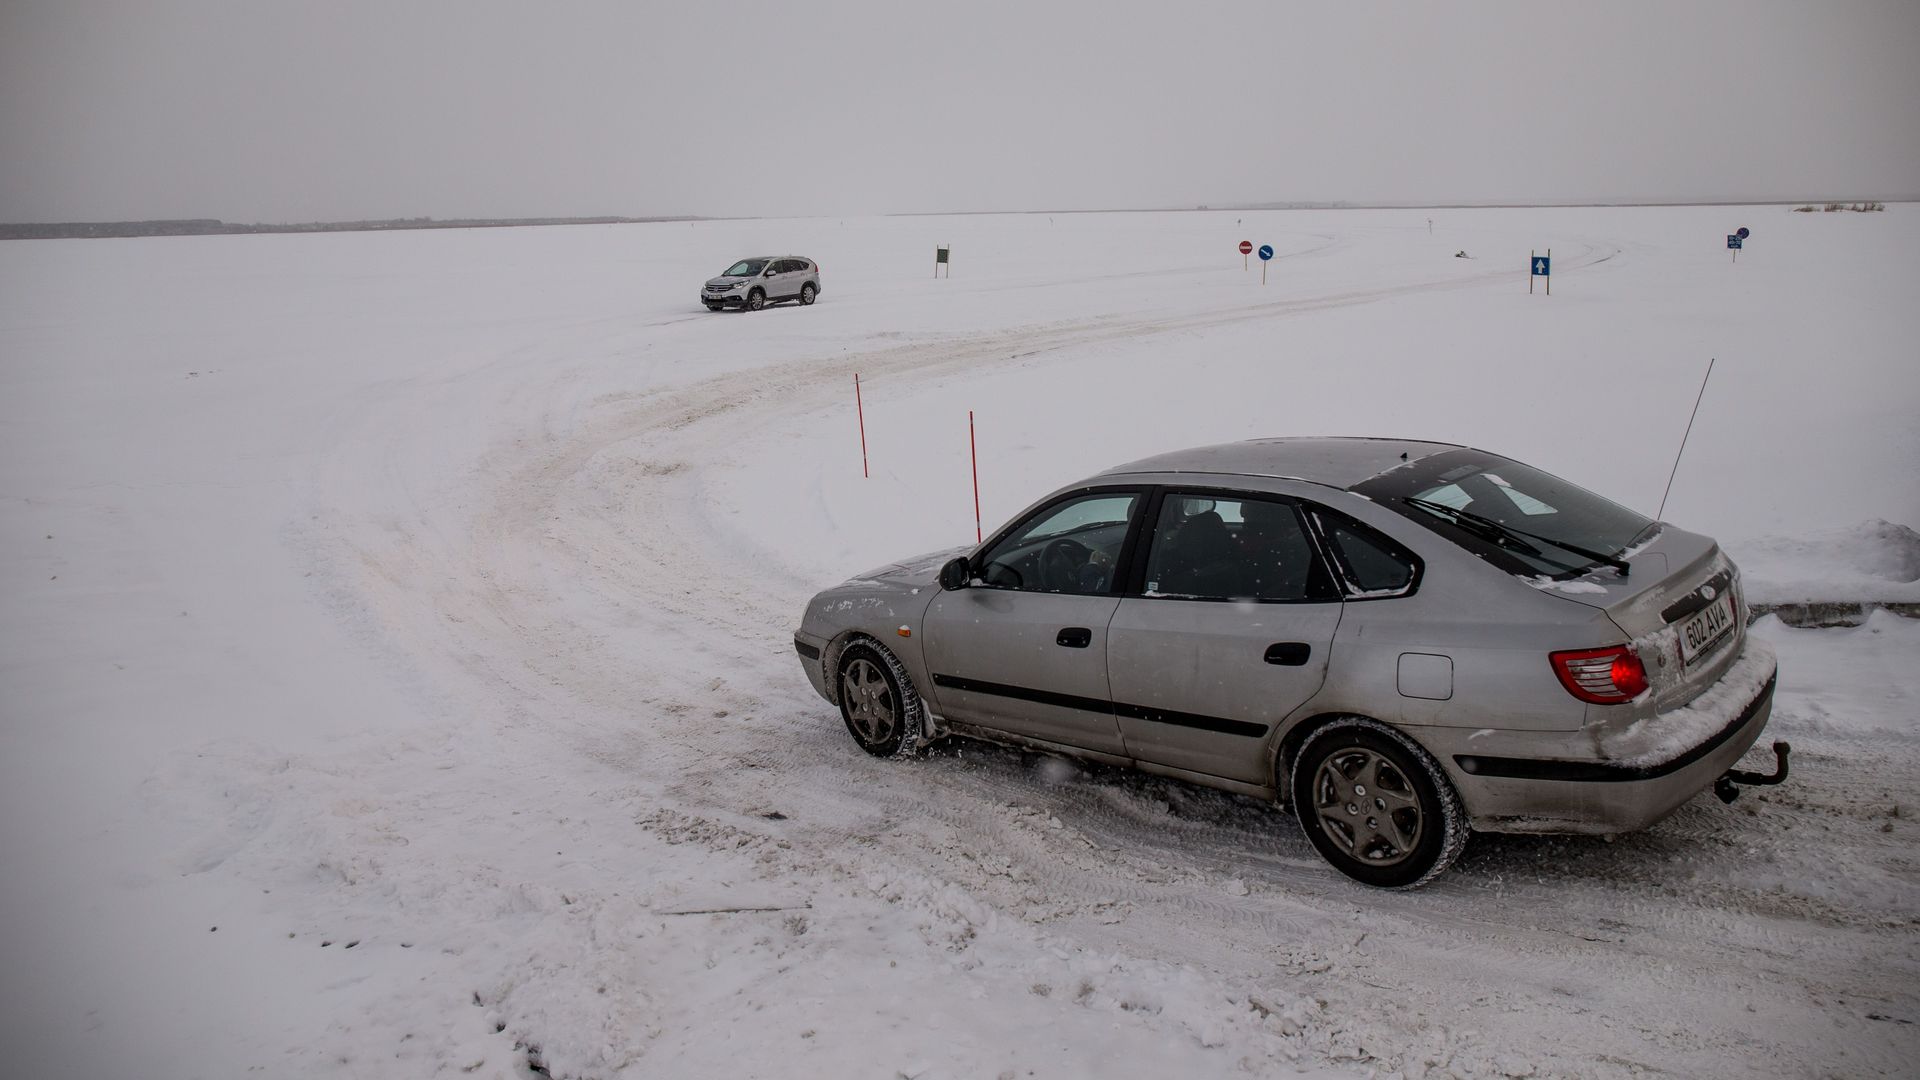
{"x": 1603, "y": 676}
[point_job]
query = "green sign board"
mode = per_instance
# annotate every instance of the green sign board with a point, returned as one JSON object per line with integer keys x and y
{"x": 939, "y": 255}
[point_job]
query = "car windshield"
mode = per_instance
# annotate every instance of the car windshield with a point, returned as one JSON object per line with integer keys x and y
{"x": 1518, "y": 497}
{"x": 745, "y": 268}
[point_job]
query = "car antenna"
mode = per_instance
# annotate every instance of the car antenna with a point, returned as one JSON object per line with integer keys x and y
{"x": 1683, "y": 441}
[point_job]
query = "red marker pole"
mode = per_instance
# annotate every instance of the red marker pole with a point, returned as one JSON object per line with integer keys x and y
{"x": 861, "y": 409}
{"x": 973, "y": 452}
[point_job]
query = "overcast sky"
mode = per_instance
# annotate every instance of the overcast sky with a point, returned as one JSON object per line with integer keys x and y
{"x": 281, "y": 111}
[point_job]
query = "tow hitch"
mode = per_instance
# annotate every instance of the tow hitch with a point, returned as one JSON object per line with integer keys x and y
{"x": 1725, "y": 786}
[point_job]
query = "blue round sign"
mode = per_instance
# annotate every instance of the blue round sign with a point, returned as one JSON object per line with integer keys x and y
{"x": 1266, "y": 252}
{"x": 1742, "y": 232}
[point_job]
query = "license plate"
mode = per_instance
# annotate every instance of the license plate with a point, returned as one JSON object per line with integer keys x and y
{"x": 1706, "y": 629}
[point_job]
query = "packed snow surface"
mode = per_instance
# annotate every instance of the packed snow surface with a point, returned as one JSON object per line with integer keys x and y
{"x": 398, "y": 680}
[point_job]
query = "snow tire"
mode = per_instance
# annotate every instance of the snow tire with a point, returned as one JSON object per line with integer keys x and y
{"x": 1410, "y": 792}
{"x": 878, "y": 701}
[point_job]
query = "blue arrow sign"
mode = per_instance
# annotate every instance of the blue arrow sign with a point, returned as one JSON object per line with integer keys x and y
{"x": 1266, "y": 252}
{"x": 1742, "y": 232}
{"x": 1542, "y": 266}
{"x": 1733, "y": 241}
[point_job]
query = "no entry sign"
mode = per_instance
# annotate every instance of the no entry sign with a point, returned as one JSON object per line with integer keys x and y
{"x": 1246, "y": 246}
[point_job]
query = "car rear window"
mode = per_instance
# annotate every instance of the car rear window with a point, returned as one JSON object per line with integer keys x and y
{"x": 1550, "y": 510}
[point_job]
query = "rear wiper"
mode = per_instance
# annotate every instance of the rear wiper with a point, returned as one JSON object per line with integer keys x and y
{"x": 1486, "y": 524}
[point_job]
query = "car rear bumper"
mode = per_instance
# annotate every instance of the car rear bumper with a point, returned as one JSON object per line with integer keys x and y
{"x": 1529, "y": 795}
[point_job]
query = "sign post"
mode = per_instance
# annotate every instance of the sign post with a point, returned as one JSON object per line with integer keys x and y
{"x": 861, "y": 410}
{"x": 1266, "y": 256}
{"x": 942, "y": 257}
{"x": 1246, "y": 248}
{"x": 973, "y": 456}
{"x": 1540, "y": 266}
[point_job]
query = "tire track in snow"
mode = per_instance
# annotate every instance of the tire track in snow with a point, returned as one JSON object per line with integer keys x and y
{"x": 614, "y": 503}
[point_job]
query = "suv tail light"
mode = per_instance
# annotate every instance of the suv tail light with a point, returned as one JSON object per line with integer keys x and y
{"x": 1603, "y": 676}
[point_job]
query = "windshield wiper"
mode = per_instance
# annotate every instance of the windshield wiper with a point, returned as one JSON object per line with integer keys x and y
{"x": 1513, "y": 535}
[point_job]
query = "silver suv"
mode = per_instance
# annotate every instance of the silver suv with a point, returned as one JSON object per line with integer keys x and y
{"x": 754, "y": 283}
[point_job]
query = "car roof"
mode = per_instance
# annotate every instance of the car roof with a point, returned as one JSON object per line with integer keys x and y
{"x": 1335, "y": 461}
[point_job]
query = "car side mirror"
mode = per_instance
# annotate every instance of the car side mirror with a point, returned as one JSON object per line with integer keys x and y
{"x": 956, "y": 574}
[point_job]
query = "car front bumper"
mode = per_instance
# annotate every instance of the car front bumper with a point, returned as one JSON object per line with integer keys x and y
{"x": 724, "y": 299}
{"x": 809, "y": 648}
{"x": 1528, "y": 795}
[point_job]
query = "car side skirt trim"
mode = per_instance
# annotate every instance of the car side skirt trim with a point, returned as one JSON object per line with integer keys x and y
{"x": 1219, "y": 724}
{"x": 1592, "y": 772}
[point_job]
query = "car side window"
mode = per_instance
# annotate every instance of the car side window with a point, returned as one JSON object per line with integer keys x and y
{"x": 1372, "y": 562}
{"x": 1067, "y": 547}
{"x": 1208, "y": 547}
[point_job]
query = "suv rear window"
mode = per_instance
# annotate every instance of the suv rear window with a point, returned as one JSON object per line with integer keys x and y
{"x": 1546, "y": 508}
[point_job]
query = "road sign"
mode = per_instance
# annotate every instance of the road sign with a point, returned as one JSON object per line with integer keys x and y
{"x": 1543, "y": 266}
{"x": 1742, "y": 232}
{"x": 1266, "y": 252}
{"x": 1733, "y": 241}
{"x": 1246, "y": 246}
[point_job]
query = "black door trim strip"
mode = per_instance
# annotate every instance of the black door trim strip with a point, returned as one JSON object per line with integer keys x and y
{"x": 1086, "y": 704}
{"x": 1043, "y": 697}
{"x": 1602, "y": 773}
{"x": 1193, "y": 720}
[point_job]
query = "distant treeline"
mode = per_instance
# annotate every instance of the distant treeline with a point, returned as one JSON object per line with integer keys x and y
{"x": 213, "y": 227}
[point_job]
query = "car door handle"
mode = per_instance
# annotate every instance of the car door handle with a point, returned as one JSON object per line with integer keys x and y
{"x": 1289, "y": 653}
{"x": 1075, "y": 637}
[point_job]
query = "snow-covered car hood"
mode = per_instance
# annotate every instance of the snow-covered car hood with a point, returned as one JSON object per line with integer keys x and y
{"x": 918, "y": 570}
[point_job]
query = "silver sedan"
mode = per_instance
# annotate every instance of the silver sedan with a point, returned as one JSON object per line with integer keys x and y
{"x": 1405, "y": 641}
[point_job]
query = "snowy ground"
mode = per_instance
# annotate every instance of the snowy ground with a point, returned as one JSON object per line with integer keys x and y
{"x": 396, "y": 671}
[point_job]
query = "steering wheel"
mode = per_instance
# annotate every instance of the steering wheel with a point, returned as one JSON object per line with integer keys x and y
{"x": 1060, "y": 563}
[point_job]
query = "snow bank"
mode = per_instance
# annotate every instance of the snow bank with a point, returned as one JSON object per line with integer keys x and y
{"x": 1872, "y": 562}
